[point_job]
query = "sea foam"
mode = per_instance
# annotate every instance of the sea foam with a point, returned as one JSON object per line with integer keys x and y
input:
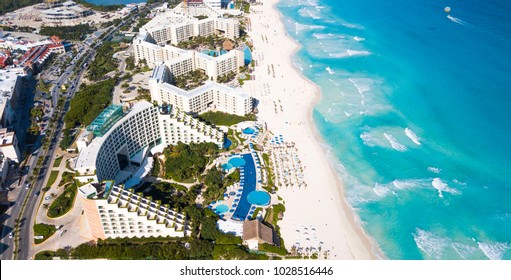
{"x": 464, "y": 251}
{"x": 329, "y": 70}
{"x": 430, "y": 243}
{"x": 394, "y": 143}
{"x": 494, "y": 250}
{"x": 435, "y": 170}
{"x": 442, "y": 187}
{"x": 415, "y": 139}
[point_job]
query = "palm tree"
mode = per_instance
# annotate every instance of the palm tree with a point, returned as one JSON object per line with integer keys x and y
{"x": 46, "y": 206}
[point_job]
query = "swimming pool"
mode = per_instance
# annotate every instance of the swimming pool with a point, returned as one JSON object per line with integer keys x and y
{"x": 249, "y": 185}
{"x": 249, "y": 130}
{"x": 259, "y": 198}
{"x": 237, "y": 161}
{"x": 222, "y": 208}
{"x": 227, "y": 143}
{"x": 227, "y": 166}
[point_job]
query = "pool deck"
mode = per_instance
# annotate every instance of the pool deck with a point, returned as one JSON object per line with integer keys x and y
{"x": 250, "y": 177}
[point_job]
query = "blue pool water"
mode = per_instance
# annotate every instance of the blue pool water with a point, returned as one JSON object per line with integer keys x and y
{"x": 227, "y": 166}
{"x": 249, "y": 130}
{"x": 259, "y": 198}
{"x": 248, "y": 55}
{"x": 415, "y": 109}
{"x": 213, "y": 52}
{"x": 227, "y": 143}
{"x": 237, "y": 161}
{"x": 222, "y": 208}
{"x": 249, "y": 186}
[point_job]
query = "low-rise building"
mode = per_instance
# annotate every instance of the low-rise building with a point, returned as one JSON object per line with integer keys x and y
{"x": 113, "y": 212}
{"x": 255, "y": 233}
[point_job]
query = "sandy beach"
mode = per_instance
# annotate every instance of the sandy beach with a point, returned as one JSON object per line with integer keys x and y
{"x": 318, "y": 215}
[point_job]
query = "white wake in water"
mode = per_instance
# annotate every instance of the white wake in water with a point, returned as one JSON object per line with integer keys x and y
{"x": 330, "y": 71}
{"x": 457, "y": 20}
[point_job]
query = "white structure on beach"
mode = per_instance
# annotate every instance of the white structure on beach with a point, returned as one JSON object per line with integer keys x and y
{"x": 210, "y": 96}
{"x": 122, "y": 140}
{"x": 113, "y": 212}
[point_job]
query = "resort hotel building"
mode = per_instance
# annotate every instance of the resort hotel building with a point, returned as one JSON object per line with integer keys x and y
{"x": 210, "y": 96}
{"x": 169, "y": 62}
{"x": 116, "y": 145}
{"x": 114, "y": 212}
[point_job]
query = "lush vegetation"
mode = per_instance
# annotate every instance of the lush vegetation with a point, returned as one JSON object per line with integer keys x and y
{"x": 88, "y": 103}
{"x": 227, "y": 77}
{"x": 43, "y": 230}
{"x": 67, "y": 177}
{"x": 184, "y": 162}
{"x": 221, "y": 118}
{"x": 141, "y": 22}
{"x": 210, "y": 42}
{"x": 272, "y": 249}
{"x": 53, "y": 178}
{"x": 175, "y": 195}
{"x": 11, "y": 5}
{"x": 130, "y": 63}
{"x": 57, "y": 161}
{"x": 76, "y": 32}
{"x": 191, "y": 80}
{"x": 104, "y": 62}
{"x": 67, "y": 139}
{"x": 217, "y": 184}
{"x": 64, "y": 202}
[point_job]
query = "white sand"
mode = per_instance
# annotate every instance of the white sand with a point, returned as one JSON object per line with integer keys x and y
{"x": 319, "y": 212}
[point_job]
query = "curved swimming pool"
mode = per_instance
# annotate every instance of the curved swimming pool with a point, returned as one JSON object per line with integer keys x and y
{"x": 259, "y": 198}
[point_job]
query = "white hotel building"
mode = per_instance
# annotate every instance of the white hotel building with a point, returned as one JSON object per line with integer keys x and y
{"x": 211, "y": 96}
{"x": 123, "y": 140}
{"x": 113, "y": 212}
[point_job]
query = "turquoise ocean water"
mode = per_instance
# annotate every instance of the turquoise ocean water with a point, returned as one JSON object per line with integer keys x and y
{"x": 416, "y": 114}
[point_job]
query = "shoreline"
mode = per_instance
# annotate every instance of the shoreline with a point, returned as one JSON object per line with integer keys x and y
{"x": 345, "y": 238}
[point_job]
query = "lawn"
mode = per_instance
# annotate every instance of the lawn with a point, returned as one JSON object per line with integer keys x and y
{"x": 43, "y": 230}
{"x": 64, "y": 202}
{"x": 57, "y": 162}
{"x": 221, "y": 118}
{"x": 52, "y": 179}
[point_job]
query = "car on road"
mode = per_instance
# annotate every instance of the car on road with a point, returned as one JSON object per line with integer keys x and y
{"x": 37, "y": 193}
{"x": 11, "y": 235}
